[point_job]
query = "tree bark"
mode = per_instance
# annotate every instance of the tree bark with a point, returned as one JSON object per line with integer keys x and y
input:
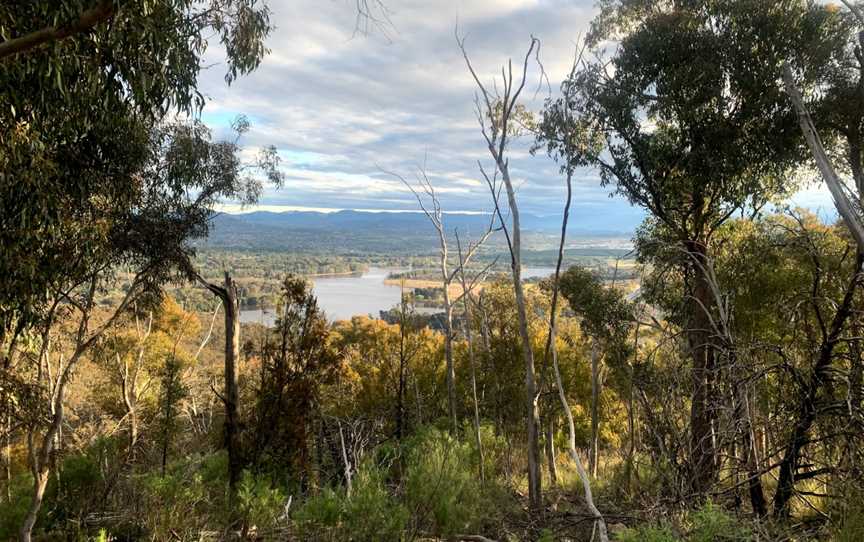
{"x": 231, "y": 398}
{"x": 550, "y": 452}
{"x": 593, "y": 457}
{"x": 702, "y": 439}
{"x": 631, "y": 413}
{"x": 574, "y": 455}
{"x": 472, "y": 365}
{"x": 532, "y": 410}
{"x": 88, "y": 19}
{"x": 496, "y": 141}
{"x": 403, "y": 368}
{"x": 749, "y": 456}
{"x": 346, "y": 464}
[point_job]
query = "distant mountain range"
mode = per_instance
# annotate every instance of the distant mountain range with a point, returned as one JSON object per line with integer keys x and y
{"x": 363, "y": 231}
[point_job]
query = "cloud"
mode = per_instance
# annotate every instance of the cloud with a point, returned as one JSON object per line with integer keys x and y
{"x": 341, "y": 107}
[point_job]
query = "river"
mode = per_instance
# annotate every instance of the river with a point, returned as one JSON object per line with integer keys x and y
{"x": 341, "y": 297}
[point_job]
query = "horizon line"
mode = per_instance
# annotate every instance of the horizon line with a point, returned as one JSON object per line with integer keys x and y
{"x": 239, "y": 209}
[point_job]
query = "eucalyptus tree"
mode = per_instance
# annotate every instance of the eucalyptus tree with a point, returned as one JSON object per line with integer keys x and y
{"x": 694, "y": 128}
{"x": 91, "y": 177}
{"x": 86, "y": 80}
{"x": 178, "y": 180}
{"x": 498, "y": 113}
{"x": 605, "y": 318}
{"x": 565, "y": 142}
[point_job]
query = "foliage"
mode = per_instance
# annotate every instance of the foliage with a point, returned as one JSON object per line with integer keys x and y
{"x": 260, "y": 504}
{"x": 85, "y": 120}
{"x": 747, "y": 337}
{"x": 442, "y": 486}
{"x": 707, "y": 524}
{"x": 369, "y": 515}
{"x": 295, "y": 359}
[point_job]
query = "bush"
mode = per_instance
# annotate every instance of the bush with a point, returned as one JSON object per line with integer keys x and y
{"x": 81, "y": 486}
{"x": 371, "y": 514}
{"x": 320, "y": 516}
{"x": 442, "y": 485}
{"x": 12, "y": 514}
{"x": 708, "y": 524}
{"x": 852, "y": 519}
{"x": 711, "y": 524}
{"x": 260, "y": 504}
{"x": 647, "y": 534}
{"x": 192, "y": 496}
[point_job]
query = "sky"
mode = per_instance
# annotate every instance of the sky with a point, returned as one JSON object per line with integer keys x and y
{"x": 343, "y": 107}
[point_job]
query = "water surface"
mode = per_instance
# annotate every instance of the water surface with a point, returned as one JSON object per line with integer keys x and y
{"x": 344, "y": 296}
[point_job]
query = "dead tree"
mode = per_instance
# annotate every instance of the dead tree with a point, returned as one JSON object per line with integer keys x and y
{"x": 430, "y": 204}
{"x": 841, "y": 200}
{"x": 230, "y": 397}
{"x": 495, "y": 113}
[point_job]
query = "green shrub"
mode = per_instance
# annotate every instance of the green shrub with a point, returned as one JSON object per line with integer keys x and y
{"x": 12, "y": 514}
{"x": 259, "y": 503}
{"x": 712, "y": 524}
{"x": 442, "y": 484}
{"x": 320, "y": 515}
{"x": 648, "y": 534}
{"x": 707, "y": 524}
{"x": 370, "y": 514}
{"x": 546, "y": 536}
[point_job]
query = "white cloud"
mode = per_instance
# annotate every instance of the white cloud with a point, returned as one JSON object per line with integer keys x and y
{"x": 340, "y": 107}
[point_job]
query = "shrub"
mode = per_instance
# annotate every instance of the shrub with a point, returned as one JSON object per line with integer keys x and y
{"x": 12, "y": 513}
{"x": 371, "y": 514}
{"x": 442, "y": 484}
{"x": 260, "y": 504}
{"x": 711, "y": 524}
{"x": 708, "y": 524}
{"x": 319, "y": 517}
{"x": 647, "y": 534}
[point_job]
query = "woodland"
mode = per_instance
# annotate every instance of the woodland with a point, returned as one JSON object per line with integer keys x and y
{"x": 710, "y": 390}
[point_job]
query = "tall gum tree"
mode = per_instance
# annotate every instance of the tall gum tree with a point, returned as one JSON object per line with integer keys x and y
{"x": 693, "y": 129}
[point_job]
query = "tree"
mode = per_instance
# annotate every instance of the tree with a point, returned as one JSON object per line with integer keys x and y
{"x": 693, "y": 129}
{"x": 228, "y": 296}
{"x": 77, "y": 124}
{"x": 836, "y": 96}
{"x": 497, "y": 123}
{"x": 795, "y": 283}
{"x": 296, "y": 360}
{"x": 83, "y": 142}
{"x": 564, "y": 143}
{"x": 431, "y": 207}
{"x": 182, "y": 175}
{"x": 605, "y": 319}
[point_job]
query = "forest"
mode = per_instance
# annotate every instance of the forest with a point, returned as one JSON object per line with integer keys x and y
{"x": 706, "y": 386}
